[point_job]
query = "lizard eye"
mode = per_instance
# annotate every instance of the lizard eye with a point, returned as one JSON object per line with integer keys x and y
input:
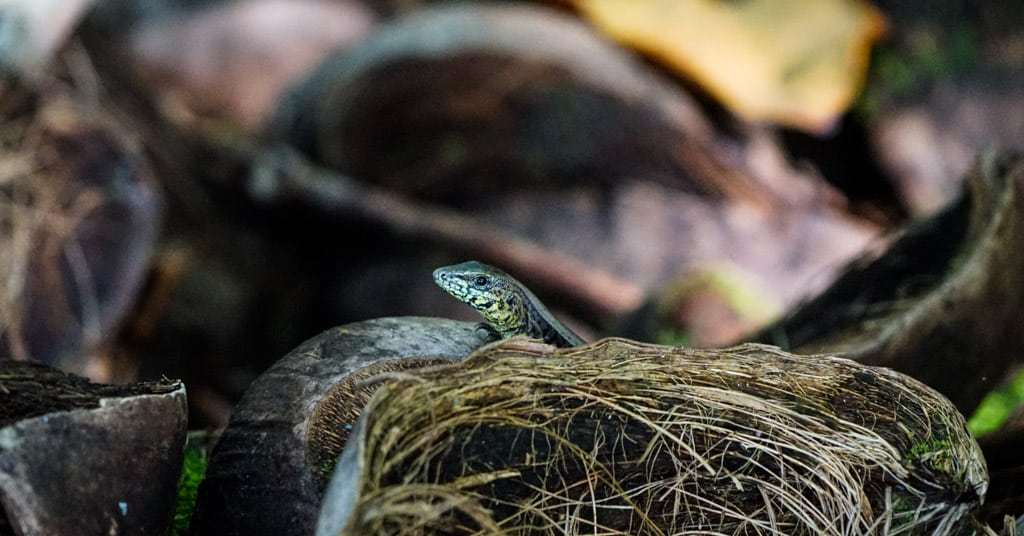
{"x": 480, "y": 281}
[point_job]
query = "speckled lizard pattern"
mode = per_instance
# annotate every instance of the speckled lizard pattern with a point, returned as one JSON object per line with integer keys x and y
{"x": 506, "y": 304}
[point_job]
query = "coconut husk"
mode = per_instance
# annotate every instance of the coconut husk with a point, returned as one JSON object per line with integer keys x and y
{"x": 942, "y": 303}
{"x": 267, "y": 472}
{"x": 83, "y": 458}
{"x": 625, "y": 437}
{"x": 463, "y": 99}
{"x": 79, "y": 218}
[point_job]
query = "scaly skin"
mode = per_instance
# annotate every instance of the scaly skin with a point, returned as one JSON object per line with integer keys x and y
{"x": 506, "y": 304}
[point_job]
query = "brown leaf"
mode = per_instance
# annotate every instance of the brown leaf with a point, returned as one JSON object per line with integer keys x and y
{"x": 795, "y": 62}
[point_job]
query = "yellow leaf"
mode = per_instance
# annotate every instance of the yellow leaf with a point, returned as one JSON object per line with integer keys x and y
{"x": 795, "y": 62}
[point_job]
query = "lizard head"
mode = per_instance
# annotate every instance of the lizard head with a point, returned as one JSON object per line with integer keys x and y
{"x": 492, "y": 292}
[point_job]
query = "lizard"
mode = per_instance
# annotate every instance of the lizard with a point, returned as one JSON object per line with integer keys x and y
{"x": 506, "y": 304}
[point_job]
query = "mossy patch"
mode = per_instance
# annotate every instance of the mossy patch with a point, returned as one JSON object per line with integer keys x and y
{"x": 997, "y": 407}
{"x": 673, "y": 337}
{"x": 936, "y": 454}
{"x": 193, "y": 471}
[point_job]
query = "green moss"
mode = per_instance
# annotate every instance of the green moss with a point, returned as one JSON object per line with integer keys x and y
{"x": 192, "y": 473}
{"x": 934, "y": 454}
{"x": 997, "y": 407}
{"x": 672, "y": 337}
{"x": 325, "y": 469}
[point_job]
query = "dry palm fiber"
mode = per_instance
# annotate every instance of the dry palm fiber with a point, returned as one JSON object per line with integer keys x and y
{"x": 79, "y": 216}
{"x": 623, "y": 437}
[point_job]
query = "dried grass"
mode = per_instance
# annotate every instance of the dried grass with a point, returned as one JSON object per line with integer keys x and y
{"x": 626, "y": 438}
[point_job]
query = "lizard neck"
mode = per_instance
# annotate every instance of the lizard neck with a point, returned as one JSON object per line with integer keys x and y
{"x": 541, "y": 324}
